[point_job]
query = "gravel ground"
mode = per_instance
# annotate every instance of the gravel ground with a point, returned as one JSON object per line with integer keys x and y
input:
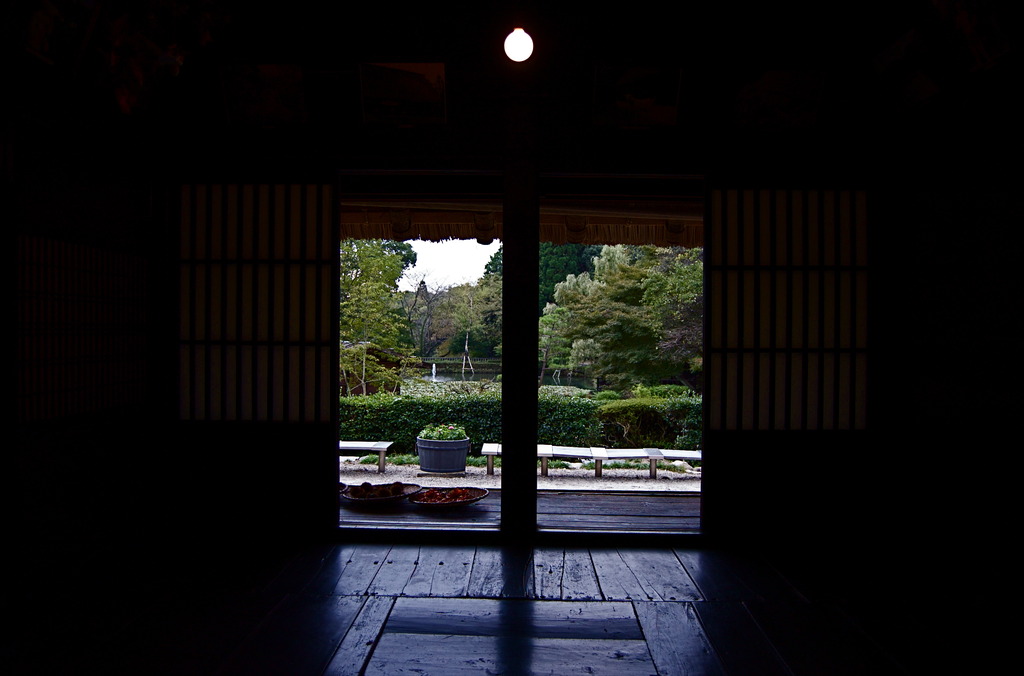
{"x": 352, "y": 472}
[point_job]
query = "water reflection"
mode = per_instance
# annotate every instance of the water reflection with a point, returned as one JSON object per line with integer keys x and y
{"x": 571, "y": 381}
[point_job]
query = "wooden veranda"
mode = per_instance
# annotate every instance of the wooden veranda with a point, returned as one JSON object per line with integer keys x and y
{"x": 663, "y": 512}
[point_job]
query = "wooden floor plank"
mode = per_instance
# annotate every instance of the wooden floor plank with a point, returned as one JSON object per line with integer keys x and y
{"x": 186, "y": 635}
{"x": 579, "y": 579}
{"x": 548, "y": 567}
{"x": 663, "y": 503}
{"x": 661, "y": 573}
{"x": 297, "y": 639}
{"x": 360, "y": 569}
{"x": 812, "y": 639}
{"x": 676, "y": 639}
{"x": 741, "y": 646}
{"x": 731, "y": 576}
{"x": 617, "y": 580}
{"x": 597, "y": 506}
{"x": 501, "y": 572}
{"x": 616, "y": 524}
{"x": 348, "y": 569}
{"x": 436, "y": 655}
{"x": 329, "y": 572}
{"x": 515, "y": 617}
{"x": 610, "y": 511}
{"x": 357, "y": 645}
{"x": 302, "y": 567}
{"x": 441, "y": 571}
{"x": 395, "y": 571}
{"x": 462, "y": 609}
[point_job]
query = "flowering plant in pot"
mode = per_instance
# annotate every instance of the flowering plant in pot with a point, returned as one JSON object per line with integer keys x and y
{"x": 443, "y": 432}
{"x": 442, "y": 448}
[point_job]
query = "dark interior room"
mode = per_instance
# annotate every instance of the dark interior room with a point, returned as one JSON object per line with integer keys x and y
{"x": 172, "y": 506}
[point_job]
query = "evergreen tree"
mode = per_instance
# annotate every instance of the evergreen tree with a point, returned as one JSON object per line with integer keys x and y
{"x": 370, "y": 326}
{"x": 676, "y": 292}
{"x": 558, "y": 261}
{"x": 614, "y": 324}
{"x": 494, "y": 264}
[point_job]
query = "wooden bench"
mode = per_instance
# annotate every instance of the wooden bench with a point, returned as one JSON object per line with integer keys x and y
{"x": 597, "y": 454}
{"x": 378, "y": 447}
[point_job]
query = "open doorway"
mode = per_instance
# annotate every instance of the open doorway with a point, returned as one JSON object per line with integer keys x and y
{"x": 642, "y": 240}
{"x": 634, "y": 323}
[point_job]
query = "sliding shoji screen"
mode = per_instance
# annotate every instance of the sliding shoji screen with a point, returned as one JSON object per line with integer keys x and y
{"x": 786, "y": 339}
{"x": 257, "y": 281}
{"x": 82, "y": 329}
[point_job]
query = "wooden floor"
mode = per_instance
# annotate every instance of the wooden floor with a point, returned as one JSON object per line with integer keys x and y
{"x": 568, "y": 511}
{"x": 382, "y": 609}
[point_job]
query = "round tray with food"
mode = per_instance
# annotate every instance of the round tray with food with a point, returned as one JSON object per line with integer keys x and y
{"x": 448, "y": 497}
{"x": 367, "y": 493}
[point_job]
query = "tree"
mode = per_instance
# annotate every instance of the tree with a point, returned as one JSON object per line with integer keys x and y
{"x": 401, "y": 249}
{"x": 558, "y": 261}
{"x": 473, "y": 312}
{"x": 555, "y": 347}
{"x": 495, "y": 264}
{"x": 421, "y": 309}
{"x": 467, "y": 318}
{"x": 489, "y": 302}
{"x": 370, "y": 328}
{"x": 609, "y": 310}
{"x": 677, "y": 293}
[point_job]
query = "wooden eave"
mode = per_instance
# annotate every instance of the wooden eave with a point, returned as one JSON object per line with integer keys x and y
{"x": 661, "y": 223}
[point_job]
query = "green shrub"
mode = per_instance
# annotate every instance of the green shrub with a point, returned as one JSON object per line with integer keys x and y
{"x": 564, "y": 390}
{"x": 661, "y": 391}
{"x": 634, "y": 423}
{"x": 568, "y": 421}
{"x": 686, "y": 416}
{"x": 654, "y": 422}
{"x": 607, "y": 395}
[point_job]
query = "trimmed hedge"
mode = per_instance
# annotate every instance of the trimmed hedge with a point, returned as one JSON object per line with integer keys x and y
{"x": 568, "y": 421}
{"x": 564, "y": 420}
{"x": 386, "y": 417}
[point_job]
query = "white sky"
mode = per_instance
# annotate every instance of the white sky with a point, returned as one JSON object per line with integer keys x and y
{"x": 448, "y": 263}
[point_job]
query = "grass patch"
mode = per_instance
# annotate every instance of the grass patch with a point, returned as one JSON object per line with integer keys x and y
{"x": 628, "y": 464}
{"x": 471, "y": 461}
{"x": 412, "y": 459}
{"x": 424, "y": 388}
{"x": 392, "y": 458}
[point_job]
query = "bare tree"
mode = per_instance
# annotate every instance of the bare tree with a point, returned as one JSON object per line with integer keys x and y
{"x": 420, "y": 309}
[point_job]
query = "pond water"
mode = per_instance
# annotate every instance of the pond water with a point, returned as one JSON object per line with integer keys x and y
{"x": 550, "y": 379}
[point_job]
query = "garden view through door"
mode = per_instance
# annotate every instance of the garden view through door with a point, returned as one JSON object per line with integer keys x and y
{"x": 619, "y": 332}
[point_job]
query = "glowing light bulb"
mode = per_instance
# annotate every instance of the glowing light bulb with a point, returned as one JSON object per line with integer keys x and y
{"x": 518, "y": 45}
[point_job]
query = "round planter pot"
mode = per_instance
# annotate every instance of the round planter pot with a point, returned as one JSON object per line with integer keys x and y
{"x": 442, "y": 456}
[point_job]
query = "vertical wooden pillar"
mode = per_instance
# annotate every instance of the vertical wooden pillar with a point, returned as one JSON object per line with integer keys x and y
{"x": 520, "y": 239}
